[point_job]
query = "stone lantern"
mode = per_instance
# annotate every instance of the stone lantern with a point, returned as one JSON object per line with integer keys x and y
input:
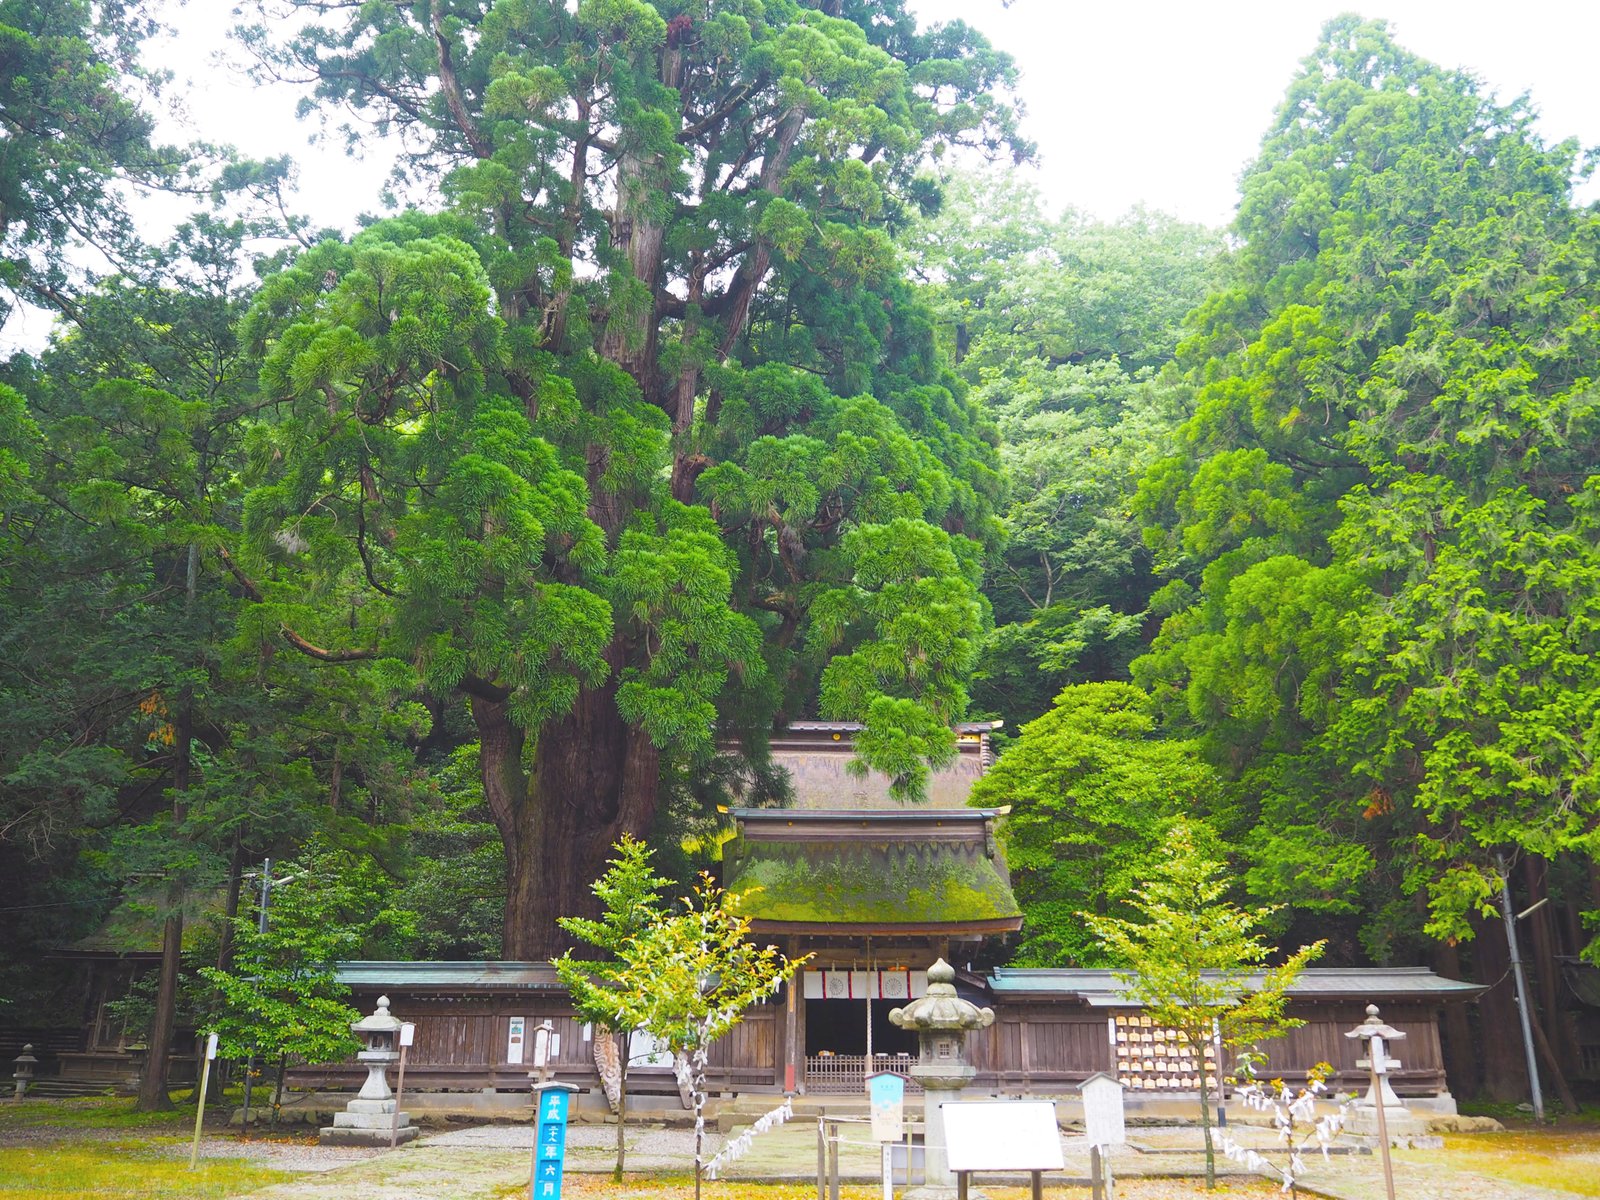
{"x": 941, "y": 1020}
{"x": 370, "y": 1119}
{"x": 1380, "y": 1113}
{"x": 22, "y": 1072}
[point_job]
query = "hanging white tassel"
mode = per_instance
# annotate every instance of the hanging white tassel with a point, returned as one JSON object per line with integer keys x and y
{"x": 740, "y": 1145}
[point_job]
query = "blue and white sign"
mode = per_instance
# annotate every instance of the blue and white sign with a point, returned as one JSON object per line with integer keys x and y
{"x": 551, "y": 1151}
{"x": 888, "y": 1095}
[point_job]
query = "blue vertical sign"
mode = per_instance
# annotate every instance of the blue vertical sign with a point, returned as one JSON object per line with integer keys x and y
{"x": 551, "y": 1151}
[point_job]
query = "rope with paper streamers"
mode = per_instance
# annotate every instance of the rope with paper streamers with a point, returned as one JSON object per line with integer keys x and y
{"x": 740, "y": 1145}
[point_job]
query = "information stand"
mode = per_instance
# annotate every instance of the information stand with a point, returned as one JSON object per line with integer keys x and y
{"x": 888, "y": 1094}
{"x": 1002, "y": 1136}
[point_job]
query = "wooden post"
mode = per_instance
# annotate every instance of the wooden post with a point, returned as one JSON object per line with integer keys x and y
{"x": 789, "y": 1062}
{"x": 961, "y": 1185}
{"x": 833, "y": 1163}
{"x": 822, "y": 1158}
{"x": 200, "y": 1100}
{"x": 1038, "y": 1185}
{"x": 871, "y": 987}
{"x": 1097, "y": 1185}
{"x": 407, "y": 1032}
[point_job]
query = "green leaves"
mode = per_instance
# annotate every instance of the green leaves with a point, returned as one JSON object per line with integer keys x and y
{"x": 280, "y": 995}
{"x": 915, "y": 608}
{"x": 1196, "y": 962}
{"x": 1093, "y": 787}
{"x": 674, "y": 583}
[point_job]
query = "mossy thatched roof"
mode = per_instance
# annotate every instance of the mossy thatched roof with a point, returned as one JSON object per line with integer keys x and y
{"x": 871, "y": 872}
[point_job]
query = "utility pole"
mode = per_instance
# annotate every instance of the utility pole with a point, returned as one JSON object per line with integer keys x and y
{"x": 261, "y": 928}
{"x": 267, "y": 884}
{"x": 1522, "y": 986}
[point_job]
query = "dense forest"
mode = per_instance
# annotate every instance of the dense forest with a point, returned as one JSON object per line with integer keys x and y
{"x": 707, "y": 395}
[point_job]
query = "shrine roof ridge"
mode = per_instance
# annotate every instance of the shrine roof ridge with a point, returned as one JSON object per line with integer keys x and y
{"x": 470, "y": 973}
{"x": 1099, "y": 987}
{"x": 856, "y": 815}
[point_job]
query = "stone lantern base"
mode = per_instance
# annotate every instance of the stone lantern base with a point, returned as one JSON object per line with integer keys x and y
{"x": 367, "y": 1123}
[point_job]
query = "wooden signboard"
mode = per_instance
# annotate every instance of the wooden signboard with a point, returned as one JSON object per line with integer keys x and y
{"x": 1102, "y": 1110}
{"x": 1002, "y": 1135}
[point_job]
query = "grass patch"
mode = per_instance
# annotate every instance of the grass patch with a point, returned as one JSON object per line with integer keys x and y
{"x": 1562, "y": 1161}
{"x": 125, "y": 1171}
{"x": 94, "y": 1112}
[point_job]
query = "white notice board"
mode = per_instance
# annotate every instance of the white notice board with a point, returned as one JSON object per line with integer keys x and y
{"x": 1002, "y": 1135}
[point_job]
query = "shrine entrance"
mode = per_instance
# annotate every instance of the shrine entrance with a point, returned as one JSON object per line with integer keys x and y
{"x": 872, "y": 898}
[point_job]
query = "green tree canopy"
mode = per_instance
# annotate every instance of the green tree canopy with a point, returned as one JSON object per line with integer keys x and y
{"x": 644, "y": 442}
{"x": 1377, "y": 525}
{"x": 1093, "y": 788}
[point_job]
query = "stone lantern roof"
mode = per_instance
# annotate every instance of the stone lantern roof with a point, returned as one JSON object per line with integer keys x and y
{"x": 379, "y": 1021}
{"x": 940, "y": 1008}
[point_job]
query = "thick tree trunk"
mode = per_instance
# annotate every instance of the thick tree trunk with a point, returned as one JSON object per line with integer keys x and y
{"x": 153, "y": 1082}
{"x": 631, "y": 338}
{"x": 594, "y": 778}
{"x": 1499, "y": 1039}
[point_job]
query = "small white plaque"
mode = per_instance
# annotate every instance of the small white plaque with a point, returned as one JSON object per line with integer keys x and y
{"x": 211, "y": 1046}
{"x": 514, "y": 1039}
{"x": 408, "y": 1033}
{"x": 1002, "y": 1135}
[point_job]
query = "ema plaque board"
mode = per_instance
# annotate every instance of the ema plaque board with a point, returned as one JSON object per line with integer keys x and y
{"x": 1002, "y": 1135}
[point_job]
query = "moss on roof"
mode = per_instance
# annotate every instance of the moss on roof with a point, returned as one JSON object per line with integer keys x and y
{"x": 870, "y": 883}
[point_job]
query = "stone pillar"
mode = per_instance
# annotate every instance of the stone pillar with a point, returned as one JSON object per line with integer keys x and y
{"x": 369, "y": 1119}
{"x": 941, "y": 1020}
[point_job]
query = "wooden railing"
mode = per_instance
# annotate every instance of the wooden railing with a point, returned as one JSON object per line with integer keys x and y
{"x": 846, "y": 1074}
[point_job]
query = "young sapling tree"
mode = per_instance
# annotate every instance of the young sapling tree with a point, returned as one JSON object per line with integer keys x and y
{"x": 630, "y": 902}
{"x": 1197, "y": 962}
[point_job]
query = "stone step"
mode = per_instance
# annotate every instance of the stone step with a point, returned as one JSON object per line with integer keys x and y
{"x": 56, "y": 1088}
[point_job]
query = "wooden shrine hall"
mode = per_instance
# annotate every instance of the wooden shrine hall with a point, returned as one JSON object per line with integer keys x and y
{"x": 875, "y": 892}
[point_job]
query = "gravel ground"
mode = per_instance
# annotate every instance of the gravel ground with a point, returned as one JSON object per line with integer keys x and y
{"x": 584, "y": 1142}
{"x": 283, "y": 1156}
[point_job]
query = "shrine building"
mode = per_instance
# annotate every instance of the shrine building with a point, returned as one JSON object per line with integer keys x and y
{"x": 875, "y": 892}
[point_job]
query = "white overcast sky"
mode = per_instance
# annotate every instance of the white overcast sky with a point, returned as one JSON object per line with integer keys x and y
{"x": 1160, "y": 103}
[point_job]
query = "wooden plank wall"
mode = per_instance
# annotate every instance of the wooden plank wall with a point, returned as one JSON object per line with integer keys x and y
{"x": 461, "y": 1045}
{"x": 1036, "y": 1045}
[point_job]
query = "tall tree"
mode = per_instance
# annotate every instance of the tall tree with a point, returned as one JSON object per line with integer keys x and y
{"x": 1378, "y": 525}
{"x": 1067, "y": 329}
{"x": 145, "y": 738}
{"x": 697, "y": 442}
